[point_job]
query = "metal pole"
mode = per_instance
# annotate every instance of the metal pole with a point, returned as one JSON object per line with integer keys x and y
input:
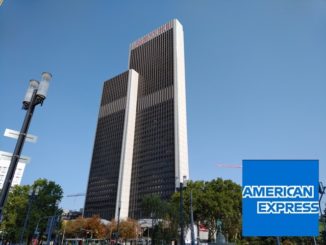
{"x": 319, "y": 202}
{"x": 56, "y": 219}
{"x": 53, "y": 223}
{"x": 152, "y": 217}
{"x": 116, "y": 241}
{"x": 63, "y": 235}
{"x": 50, "y": 231}
{"x": 192, "y": 221}
{"x": 36, "y": 228}
{"x": 315, "y": 242}
{"x": 30, "y": 201}
{"x": 16, "y": 154}
{"x": 181, "y": 215}
{"x": 37, "y": 225}
{"x": 278, "y": 242}
{"x": 147, "y": 235}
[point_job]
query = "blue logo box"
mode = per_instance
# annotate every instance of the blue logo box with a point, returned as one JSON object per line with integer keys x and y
{"x": 280, "y": 197}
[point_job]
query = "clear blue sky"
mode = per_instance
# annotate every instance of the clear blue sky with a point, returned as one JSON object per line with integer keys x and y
{"x": 255, "y": 77}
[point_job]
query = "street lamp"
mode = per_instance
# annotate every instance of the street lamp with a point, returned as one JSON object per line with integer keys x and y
{"x": 50, "y": 224}
{"x": 117, "y": 234}
{"x": 31, "y": 197}
{"x": 192, "y": 221}
{"x": 36, "y": 94}
{"x": 183, "y": 184}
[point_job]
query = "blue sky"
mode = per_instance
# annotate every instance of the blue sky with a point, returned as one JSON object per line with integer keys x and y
{"x": 255, "y": 77}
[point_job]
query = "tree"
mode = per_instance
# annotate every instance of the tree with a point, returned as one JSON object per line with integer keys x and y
{"x": 111, "y": 228}
{"x": 44, "y": 205}
{"x": 213, "y": 200}
{"x": 13, "y": 213}
{"x": 86, "y": 228}
{"x": 96, "y": 227}
{"x": 73, "y": 228}
{"x": 155, "y": 208}
{"x": 164, "y": 217}
{"x": 322, "y": 236}
{"x": 129, "y": 229}
{"x": 93, "y": 227}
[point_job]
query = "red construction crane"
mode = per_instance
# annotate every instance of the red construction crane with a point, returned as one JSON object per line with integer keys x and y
{"x": 223, "y": 165}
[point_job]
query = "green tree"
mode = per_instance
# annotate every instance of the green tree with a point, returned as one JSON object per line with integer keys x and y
{"x": 213, "y": 200}
{"x": 13, "y": 213}
{"x": 161, "y": 213}
{"x": 43, "y": 205}
{"x": 322, "y": 228}
{"x": 153, "y": 207}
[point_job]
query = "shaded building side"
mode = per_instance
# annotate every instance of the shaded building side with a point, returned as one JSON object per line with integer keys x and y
{"x": 105, "y": 164}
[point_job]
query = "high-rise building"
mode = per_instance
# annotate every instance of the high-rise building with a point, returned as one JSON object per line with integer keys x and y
{"x": 141, "y": 138}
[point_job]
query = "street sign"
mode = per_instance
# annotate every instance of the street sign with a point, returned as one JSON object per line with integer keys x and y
{"x": 5, "y": 159}
{"x": 15, "y": 134}
{"x": 6, "y": 156}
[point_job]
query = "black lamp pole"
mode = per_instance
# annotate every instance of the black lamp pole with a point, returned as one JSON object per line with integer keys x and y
{"x": 181, "y": 215}
{"x": 35, "y": 95}
{"x": 118, "y": 235}
{"x": 182, "y": 240}
{"x": 16, "y": 155}
{"x": 192, "y": 221}
{"x": 53, "y": 222}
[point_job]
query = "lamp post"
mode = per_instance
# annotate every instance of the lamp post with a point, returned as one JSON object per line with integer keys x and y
{"x": 32, "y": 194}
{"x": 118, "y": 224}
{"x": 36, "y": 232}
{"x": 36, "y": 94}
{"x": 64, "y": 231}
{"x": 52, "y": 222}
{"x": 192, "y": 221}
{"x": 153, "y": 231}
{"x": 182, "y": 185}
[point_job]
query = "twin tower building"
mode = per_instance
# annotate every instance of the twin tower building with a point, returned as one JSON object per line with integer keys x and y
{"x": 141, "y": 143}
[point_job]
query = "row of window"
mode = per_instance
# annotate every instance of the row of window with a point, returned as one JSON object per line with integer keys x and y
{"x": 115, "y": 88}
{"x": 154, "y": 61}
